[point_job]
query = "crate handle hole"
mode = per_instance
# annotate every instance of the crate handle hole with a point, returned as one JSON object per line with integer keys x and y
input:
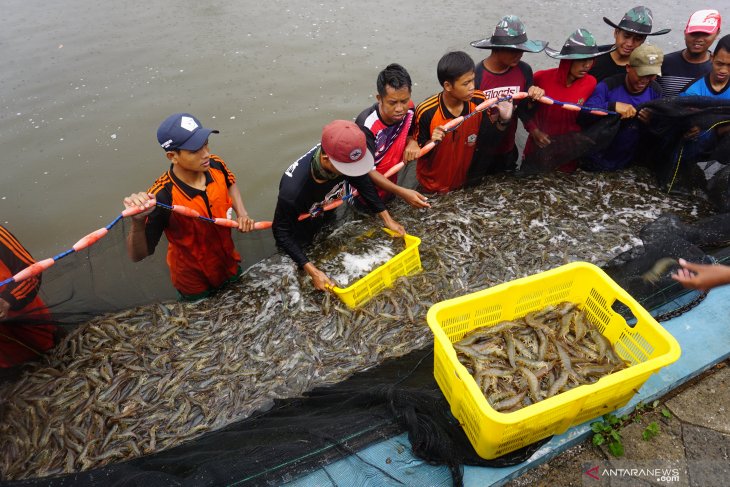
{"x": 624, "y": 311}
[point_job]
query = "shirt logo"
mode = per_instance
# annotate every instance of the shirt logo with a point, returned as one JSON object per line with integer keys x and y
{"x": 188, "y": 123}
{"x": 471, "y": 140}
{"x": 355, "y": 154}
{"x": 501, "y": 92}
{"x": 290, "y": 170}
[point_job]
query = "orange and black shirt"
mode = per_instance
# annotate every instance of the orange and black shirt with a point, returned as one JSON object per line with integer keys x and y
{"x": 13, "y": 259}
{"x": 201, "y": 255}
{"x": 445, "y": 167}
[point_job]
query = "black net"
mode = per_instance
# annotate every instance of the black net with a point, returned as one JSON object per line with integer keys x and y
{"x": 572, "y": 146}
{"x": 247, "y": 386}
{"x": 296, "y": 436}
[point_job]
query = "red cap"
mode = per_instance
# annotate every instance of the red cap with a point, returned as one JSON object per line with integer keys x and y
{"x": 707, "y": 21}
{"x": 344, "y": 143}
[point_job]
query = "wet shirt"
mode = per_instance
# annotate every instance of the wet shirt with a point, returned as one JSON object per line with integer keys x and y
{"x": 300, "y": 193}
{"x": 677, "y": 73}
{"x": 445, "y": 167}
{"x": 621, "y": 151}
{"x": 605, "y": 67}
{"x": 499, "y": 85}
{"x": 201, "y": 255}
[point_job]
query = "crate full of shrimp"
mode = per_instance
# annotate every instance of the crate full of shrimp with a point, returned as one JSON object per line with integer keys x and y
{"x": 530, "y": 358}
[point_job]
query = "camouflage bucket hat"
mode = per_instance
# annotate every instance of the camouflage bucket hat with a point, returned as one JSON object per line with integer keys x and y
{"x": 510, "y": 34}
{"x": 638, "y": 20}
{"x": 580, "y": 45}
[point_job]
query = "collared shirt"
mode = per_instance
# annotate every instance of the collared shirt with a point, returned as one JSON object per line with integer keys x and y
{"x": 201, "y": 255}
{"x": 445, "y": 167}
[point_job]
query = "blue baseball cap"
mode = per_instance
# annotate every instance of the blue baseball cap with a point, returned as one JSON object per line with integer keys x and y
{"x": 182, "y": 131}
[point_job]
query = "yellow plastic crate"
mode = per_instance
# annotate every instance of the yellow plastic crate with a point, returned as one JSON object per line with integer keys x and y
{"x": 407, "y": 262}
{"x": 646, "y": 345}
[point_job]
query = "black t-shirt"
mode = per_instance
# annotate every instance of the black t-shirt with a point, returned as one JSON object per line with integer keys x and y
{"x": 605, "y": 66}
{"x": 300, "y": 193}
{"x": 678, "y": 73}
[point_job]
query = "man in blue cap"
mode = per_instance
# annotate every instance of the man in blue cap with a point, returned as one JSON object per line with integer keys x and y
{"x": 201, "y": 256}
{"x": 629, "y": 34}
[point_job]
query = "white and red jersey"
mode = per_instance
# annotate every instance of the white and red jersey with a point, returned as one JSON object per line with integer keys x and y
{"x": 386, "y": 142}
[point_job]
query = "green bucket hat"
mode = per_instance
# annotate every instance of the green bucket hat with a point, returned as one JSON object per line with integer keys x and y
{"x": 510, "y": 34}
{"x": 638, "y": 20}
{"x": 580, "y": 45}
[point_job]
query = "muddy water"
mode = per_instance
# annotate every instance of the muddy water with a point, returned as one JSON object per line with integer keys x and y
{"x": 84, "y": 86}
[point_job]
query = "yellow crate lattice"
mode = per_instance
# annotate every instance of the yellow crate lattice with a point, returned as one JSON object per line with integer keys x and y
{"x": 405, "y": 263}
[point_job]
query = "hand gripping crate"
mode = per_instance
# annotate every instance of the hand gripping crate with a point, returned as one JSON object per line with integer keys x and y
{"x": 646, "y": 345}
{"x": 408, "y": 261}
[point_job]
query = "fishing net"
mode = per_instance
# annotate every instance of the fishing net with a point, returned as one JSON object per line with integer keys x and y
{"x": 247, "y": 386}
{"x": 90, "y": 282}
{"x": 296, "y": 436}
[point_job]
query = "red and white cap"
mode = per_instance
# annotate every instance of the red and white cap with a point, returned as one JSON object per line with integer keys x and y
{"x": 344, "y": 143}
{"x": 705, "y": 21}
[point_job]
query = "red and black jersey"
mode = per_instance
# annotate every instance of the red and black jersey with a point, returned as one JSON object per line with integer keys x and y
{"x": 201, "y": 256}
{"x": 19, "y": 340}
{"x": 13, "y": 259}
{"x": 445, "y": 167}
